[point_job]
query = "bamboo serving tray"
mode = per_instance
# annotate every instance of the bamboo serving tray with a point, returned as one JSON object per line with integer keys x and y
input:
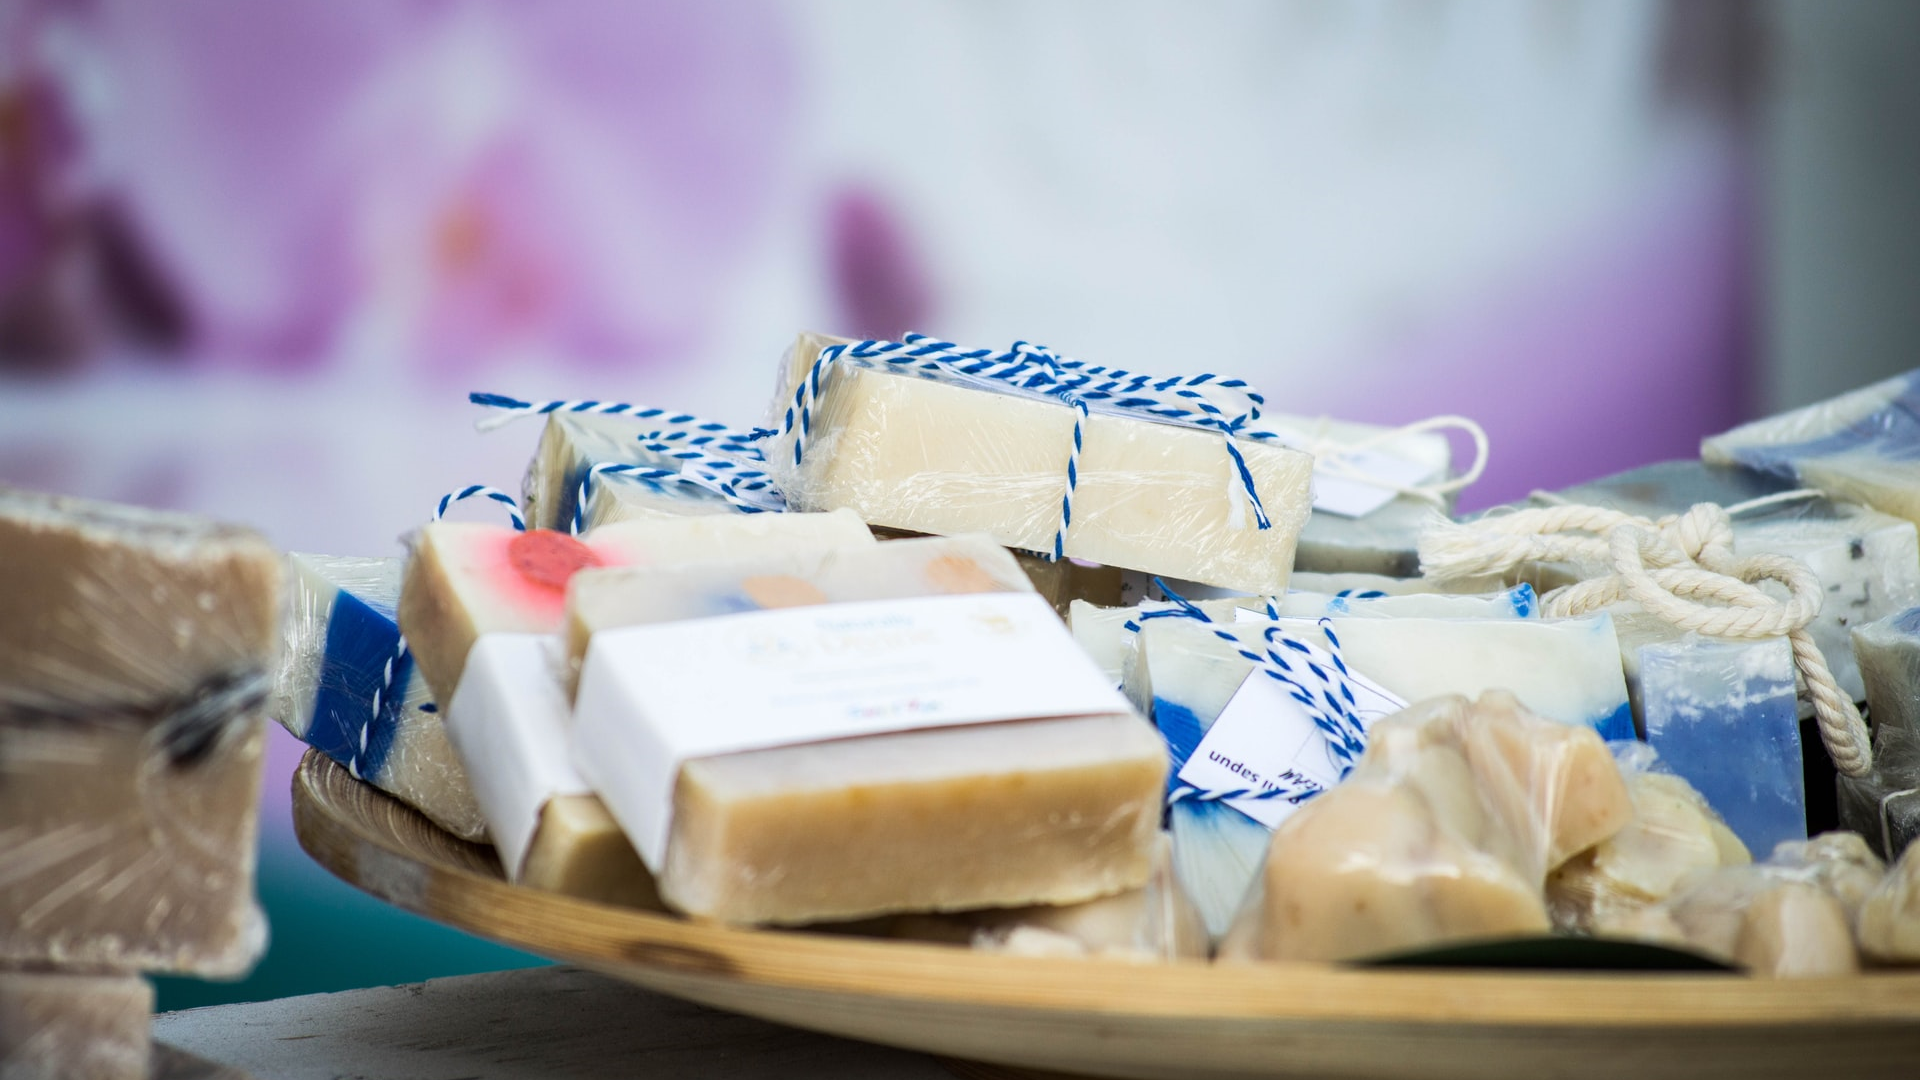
{"x": 1013, "y": 1015}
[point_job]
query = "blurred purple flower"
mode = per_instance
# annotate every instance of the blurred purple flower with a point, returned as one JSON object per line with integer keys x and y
{"x": 440, "y": 183}
{"x": 878, "y": 277}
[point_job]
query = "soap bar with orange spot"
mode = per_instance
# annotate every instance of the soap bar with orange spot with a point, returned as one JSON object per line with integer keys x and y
{"x": 466, "y": 582}
{"x": 467, "y": 579}
{"x": 880, "y": 821}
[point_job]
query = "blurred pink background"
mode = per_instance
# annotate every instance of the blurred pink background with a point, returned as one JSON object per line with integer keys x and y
{"x": 253, "y": 255}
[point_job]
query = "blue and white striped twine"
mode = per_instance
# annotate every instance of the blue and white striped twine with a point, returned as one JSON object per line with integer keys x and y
{"x": 1035, "y": 369}
{"x": 482, "y": 490}
{"x": 1330, "y": 703}
{"x": 674, "y": 426}
{"x": 659, "y": 478}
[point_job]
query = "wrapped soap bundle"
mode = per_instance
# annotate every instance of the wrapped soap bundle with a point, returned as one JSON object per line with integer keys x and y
{"x": 919, "y": 734}
{"x": 1445, "y": 831}
{"x": 134, "y": 665}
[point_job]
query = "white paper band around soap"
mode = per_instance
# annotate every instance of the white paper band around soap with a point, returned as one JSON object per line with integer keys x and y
{"x": 654, "y": 697}
{"x": 509, "y": 722}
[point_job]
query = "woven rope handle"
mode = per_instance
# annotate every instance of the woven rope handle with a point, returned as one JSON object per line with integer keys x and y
{"x": 1680, "y": 569}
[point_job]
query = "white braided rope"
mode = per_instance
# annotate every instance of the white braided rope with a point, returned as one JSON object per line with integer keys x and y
{"x": 1680, "y": 568}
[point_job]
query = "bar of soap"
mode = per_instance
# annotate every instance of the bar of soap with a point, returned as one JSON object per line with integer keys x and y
{"x": 1444, "y": 832}
{"x": 573, "y": 443}
{"x": 853, "y": 827}
{"x": 341, "y": 656}
{"x": 1723, "y": 714}
{"x": 1566, "y": 670}
{"x": 1674, "y": 832}
{"x": 1868, "y": 561}
{"x": 1359, "y": 583}
{"x": 1884, "y": 806}
{"x": 1385, "y": 541}
{"x": 1154, "y": 923}
{"x": 1065, "y": 582}
{"x": 60, "y": 1026}
{"x": 1515, "y": 603}
{"x": 510, "y": 721}
{"x": 1789, "y": 917}
{"x": 134, "y": 659}
{"x": 1859, "y": 446}
{"x": 948, "y": 457}
{"x": 1889, "y": 919}
{"x": 466, "y": 579}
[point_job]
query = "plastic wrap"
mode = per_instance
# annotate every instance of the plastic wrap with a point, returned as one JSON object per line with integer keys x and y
{"x": 464, "y": 579}
{"x": 1515, "y": 603}
{"x": 1445, "y": 832}
{"x": 573, "y": 443}
{"x": 134, "y": 660}
{"x": 74, "y": 1027}
{"x": 1889, "y": 916}
{"x": 1567, "y": 670}
{"x": 1674, "y": 832}
{"x": 1868, "y": 561}
{"x": 1863, "y": 446}
{"x": 1788, "y": 917}
{"x": 1884, "y": 806}
{"x": 1013, "y": 812}
{"x": 1723, "y": 714}
{"x": 1154, "y": 923}
{"x": 963, "y": 455}
{"x": 340, "y": 656}
{"x": 1345, "y": 583}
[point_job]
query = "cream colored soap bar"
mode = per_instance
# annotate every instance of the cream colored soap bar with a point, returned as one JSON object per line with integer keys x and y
{"x": 509, "y": 721}
{"x": 1889, "y": 921}
{"x": 134, "y": 656}
{"x": 879, "y": 823}
{"x": 950, "y": 457}
{"x": 465, "y": 579}
{"x": 57, "y": 1026}
{"x": 1444, "y": 832}
{"x": 1156, "y": 922}
{"x": 573, "y": 443}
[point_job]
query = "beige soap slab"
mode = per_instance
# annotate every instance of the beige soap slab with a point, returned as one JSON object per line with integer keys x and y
{"x": 134, "y": 654}
{"x": 1444, "y": 832}
{"x": 879, "y": 823}
{"x": 58, "y": 1026}
{"x": 1889, "y": 921}
{"x": 1154, "y": 923}
{"x": 465, "y": 579}
{"x": 951, "y": 457}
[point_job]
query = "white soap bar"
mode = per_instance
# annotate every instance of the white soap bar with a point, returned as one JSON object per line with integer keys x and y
{"x": 1363, "y": 584}
{"x": 343, "y": 686}
{"x": 573, "y": 443}
{"x": 1515, "y": 603}
{"x": 949, "y": 456}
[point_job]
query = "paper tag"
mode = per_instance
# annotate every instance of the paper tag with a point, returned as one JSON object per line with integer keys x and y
{"x": 1338, "y": 494}
{"x": 654, "y": 697}
{"x": 1264, "y": 738}
{"x": 508, "y": 722}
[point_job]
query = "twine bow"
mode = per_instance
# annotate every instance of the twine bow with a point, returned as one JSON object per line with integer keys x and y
{"x": 1680, "y": 568}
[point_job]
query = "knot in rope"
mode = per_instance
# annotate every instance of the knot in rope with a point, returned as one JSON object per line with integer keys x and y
{"x": 1681, "y": 569}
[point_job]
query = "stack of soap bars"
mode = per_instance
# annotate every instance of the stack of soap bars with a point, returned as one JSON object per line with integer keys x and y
{"x": 136, "y": 653}
{"x": 1036, "y": 656}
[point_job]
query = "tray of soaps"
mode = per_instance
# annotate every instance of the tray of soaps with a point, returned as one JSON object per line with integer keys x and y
{"x": 1100, "y": 1017}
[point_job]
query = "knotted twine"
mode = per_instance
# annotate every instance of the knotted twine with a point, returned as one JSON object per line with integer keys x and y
{"x": 1680, "y": 568}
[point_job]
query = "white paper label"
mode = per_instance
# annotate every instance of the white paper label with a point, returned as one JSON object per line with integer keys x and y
{"x": 1265, "y": 739}
{"x": 1336, "y": 493}
{"x": 653, "y": 697}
